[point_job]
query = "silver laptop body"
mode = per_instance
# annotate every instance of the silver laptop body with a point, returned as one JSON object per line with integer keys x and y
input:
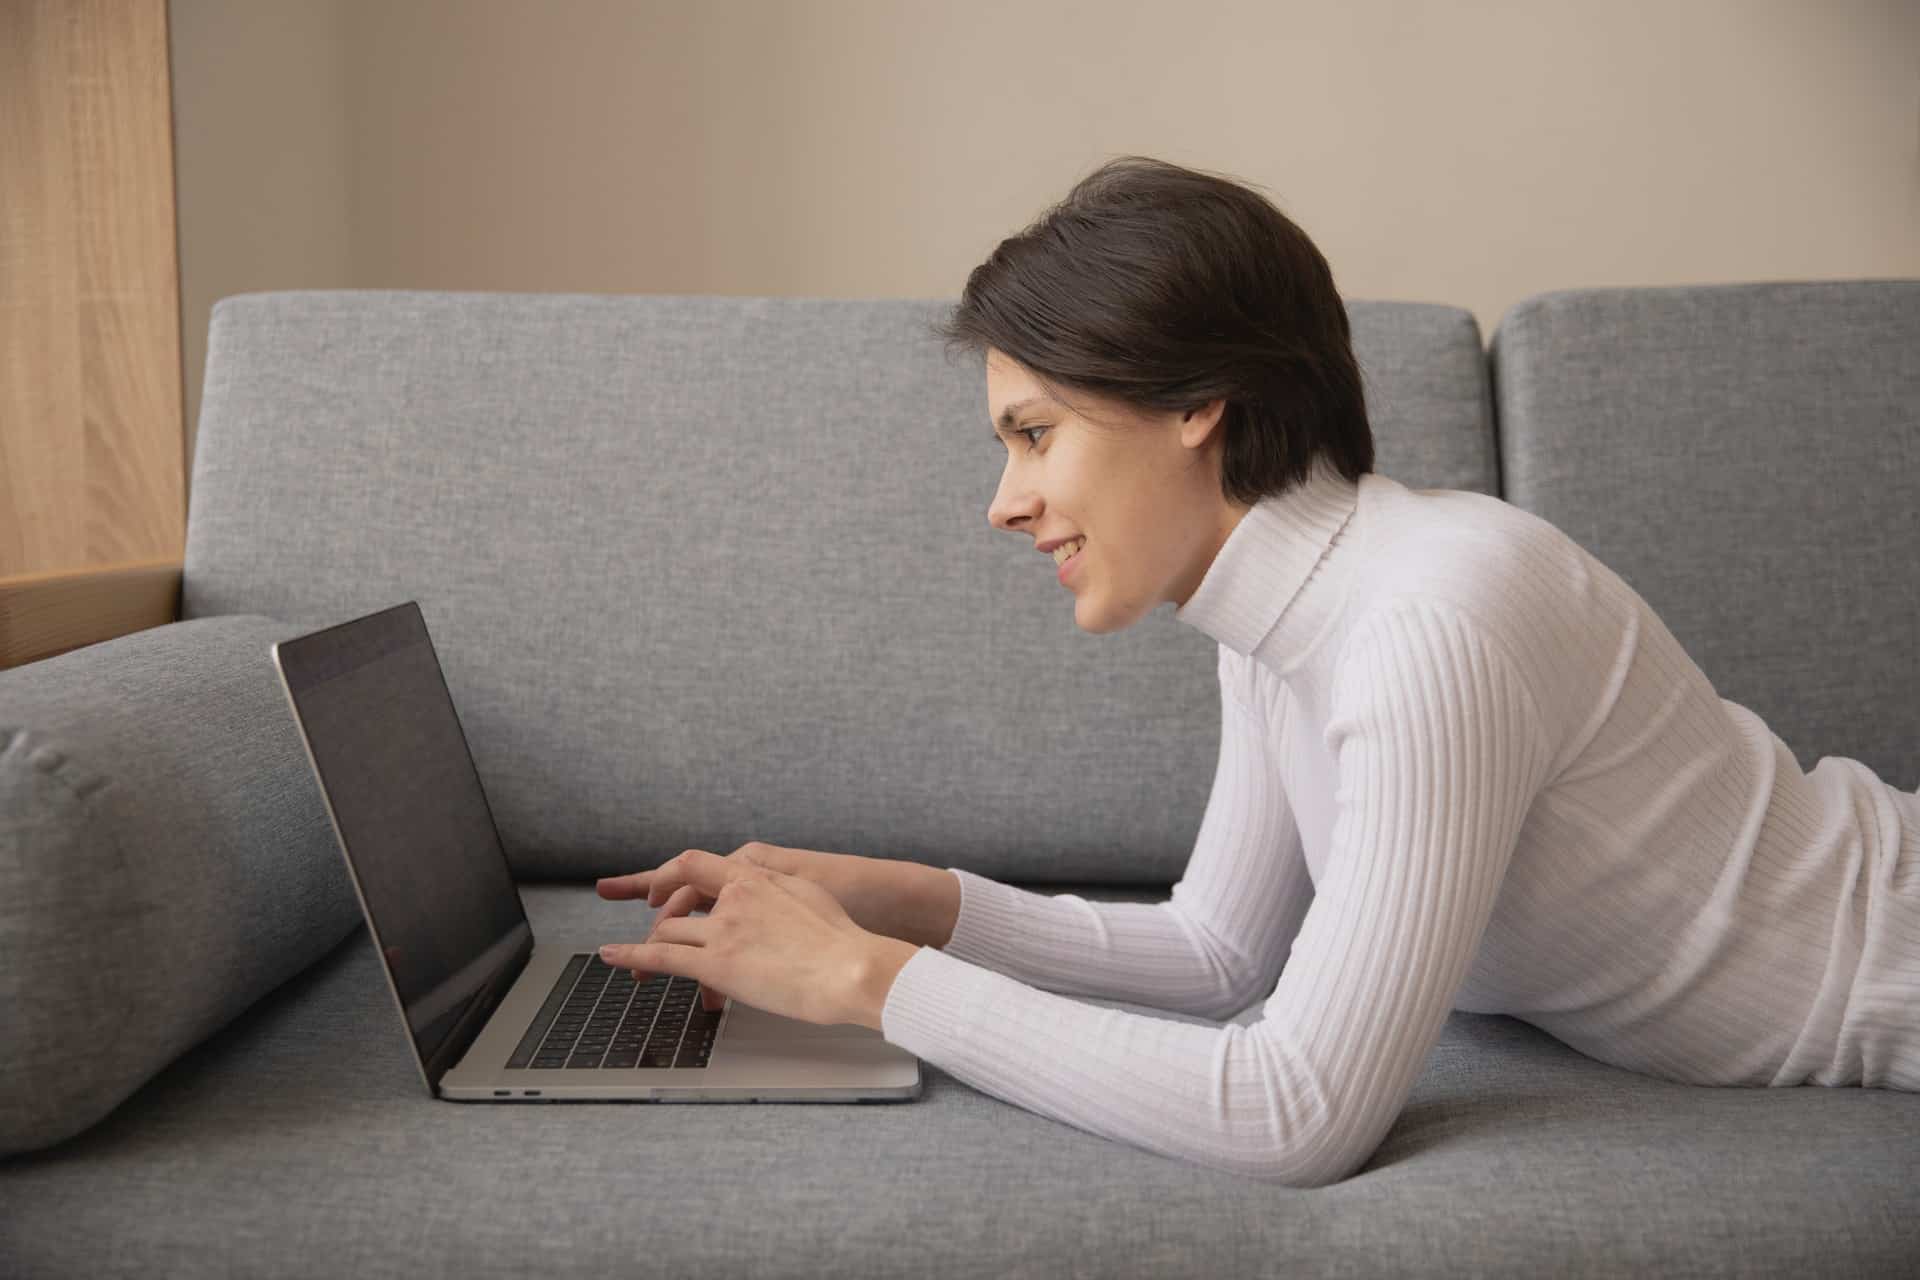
{"x": 475, "y": 990}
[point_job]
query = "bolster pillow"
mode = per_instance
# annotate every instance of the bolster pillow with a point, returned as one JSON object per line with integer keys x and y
{"x": 165, "y": 861}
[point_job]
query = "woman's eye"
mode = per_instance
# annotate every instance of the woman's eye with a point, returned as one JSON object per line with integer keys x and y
{"x": 1027, "y": 431}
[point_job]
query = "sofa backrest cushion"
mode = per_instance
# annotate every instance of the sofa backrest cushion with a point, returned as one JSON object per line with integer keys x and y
{"x": 165, "y": 861}
{"x": 706, "y": 570}
{"x": 1747, "y": 458}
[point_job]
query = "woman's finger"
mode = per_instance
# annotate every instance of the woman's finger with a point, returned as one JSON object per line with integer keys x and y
{"x": 684, "y": 930}
{"x": 640, "y": 957}
{"x": 673, "y": 873}
{"x": 685, "y": 899}
{"x": 620, "y": 888}
{"x": 645, "y": 958}
{"x": 711, "y": 872}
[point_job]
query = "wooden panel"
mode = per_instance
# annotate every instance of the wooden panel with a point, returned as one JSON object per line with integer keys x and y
{"x": 43, "y": 614}
{"x": 92, "y": 448}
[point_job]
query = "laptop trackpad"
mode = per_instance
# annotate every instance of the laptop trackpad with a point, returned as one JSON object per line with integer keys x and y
{"x": 744, "y": 1022}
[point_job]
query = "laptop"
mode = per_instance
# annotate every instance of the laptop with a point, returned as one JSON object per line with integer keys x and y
{"x": 494, "y": 1014}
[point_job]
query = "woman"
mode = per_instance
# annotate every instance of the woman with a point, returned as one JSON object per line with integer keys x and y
{"x": 1462, "y": 765}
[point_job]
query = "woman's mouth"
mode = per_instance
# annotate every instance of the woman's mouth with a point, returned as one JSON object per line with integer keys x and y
{"x": 1072, "y": 562}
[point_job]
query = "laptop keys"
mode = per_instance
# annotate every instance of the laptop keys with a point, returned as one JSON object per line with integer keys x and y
{"x": 597, "y": 1016}
{"x": 543, "y": 1020}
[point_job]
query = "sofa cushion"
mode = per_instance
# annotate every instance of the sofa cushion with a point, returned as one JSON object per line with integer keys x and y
{"x": 301, "y": 1141}
{"x": 165, "y": 860}
{"x": 706, "y": 570}
{"x": 1747, "y": 458}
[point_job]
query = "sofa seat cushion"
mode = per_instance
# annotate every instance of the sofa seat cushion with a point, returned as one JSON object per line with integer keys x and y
{"x": 165, "y": 860}
{"x": 300, "y": 1141}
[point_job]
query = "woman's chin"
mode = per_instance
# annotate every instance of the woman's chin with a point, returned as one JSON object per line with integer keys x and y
{"x": 1095, "y": 618}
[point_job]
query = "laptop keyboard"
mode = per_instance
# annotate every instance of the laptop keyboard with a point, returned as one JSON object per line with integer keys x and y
{"x": 598, "y": 1016}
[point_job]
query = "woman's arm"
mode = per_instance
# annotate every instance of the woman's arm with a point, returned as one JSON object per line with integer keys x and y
{"x": 1440, "y": 752}
{"x": 1215, "y": 947}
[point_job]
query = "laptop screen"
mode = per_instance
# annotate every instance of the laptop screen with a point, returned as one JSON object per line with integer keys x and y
{"x": 406, "y": 799}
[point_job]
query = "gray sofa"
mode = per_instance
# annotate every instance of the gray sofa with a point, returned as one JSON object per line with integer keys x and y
{"x": 706, "y": 570}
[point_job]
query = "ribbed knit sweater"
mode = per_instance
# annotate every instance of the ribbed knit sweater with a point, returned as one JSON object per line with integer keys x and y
{"x": 1463, "y": 766}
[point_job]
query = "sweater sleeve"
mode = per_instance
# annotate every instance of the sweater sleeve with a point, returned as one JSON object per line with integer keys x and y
{"x": 1440, "y": 751}
{"x": 1216, "y": 946}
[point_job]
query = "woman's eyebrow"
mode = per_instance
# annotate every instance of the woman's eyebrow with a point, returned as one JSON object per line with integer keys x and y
{"x": 1006, "y": 414}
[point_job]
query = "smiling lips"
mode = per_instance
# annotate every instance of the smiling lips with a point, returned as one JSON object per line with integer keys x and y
{"x": 1072, "y": 552}
{"x": 1067, "y": 550}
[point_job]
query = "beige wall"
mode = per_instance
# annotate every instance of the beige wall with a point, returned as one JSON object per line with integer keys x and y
{"x": 1470, "y": 153}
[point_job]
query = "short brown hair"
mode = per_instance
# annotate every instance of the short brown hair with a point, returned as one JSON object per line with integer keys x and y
{"x": 1164, "y": 288}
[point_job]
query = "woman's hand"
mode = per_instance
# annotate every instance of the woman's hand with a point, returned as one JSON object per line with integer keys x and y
{"x": 779, "y": 942}
{"x": 670, "y": 887}
{"x": 892, "y": 897}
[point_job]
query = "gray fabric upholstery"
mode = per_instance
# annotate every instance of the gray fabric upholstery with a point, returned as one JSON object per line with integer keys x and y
{"x": 165, "y": 860}
{"x": 267, "y": 1151}
{"x": 706, "y": 570}
{"x": 1746, "y": 457}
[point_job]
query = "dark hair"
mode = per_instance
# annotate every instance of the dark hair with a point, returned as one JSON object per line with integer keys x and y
{"x": 1164, "y": 288}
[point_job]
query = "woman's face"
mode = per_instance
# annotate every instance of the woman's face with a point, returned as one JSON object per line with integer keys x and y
{"x": 1144, "y": 491}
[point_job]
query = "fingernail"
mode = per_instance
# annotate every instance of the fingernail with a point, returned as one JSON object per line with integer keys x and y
{"x": 606, "y": 952}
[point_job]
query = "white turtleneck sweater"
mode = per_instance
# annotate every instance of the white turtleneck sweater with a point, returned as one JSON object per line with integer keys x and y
{"x": 1462, "y": 766}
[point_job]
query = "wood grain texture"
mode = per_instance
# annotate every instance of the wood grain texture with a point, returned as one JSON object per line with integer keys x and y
{"x": 43, "y": 614}
{"x": 92, "y": 467}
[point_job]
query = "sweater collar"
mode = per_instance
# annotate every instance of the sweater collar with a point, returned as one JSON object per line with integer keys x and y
{"x": 1262, "y": 591}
